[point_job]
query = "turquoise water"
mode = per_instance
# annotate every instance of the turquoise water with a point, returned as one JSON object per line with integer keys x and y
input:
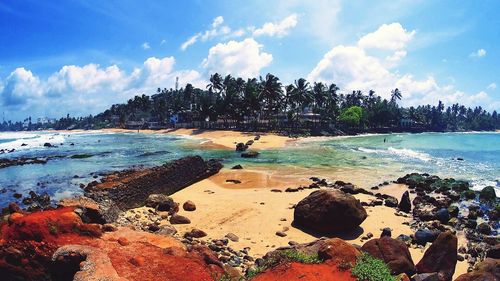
{"x": 367, "y": 156}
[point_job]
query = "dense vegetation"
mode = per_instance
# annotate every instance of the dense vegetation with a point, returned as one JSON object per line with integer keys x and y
{"x": 267, "y": 104}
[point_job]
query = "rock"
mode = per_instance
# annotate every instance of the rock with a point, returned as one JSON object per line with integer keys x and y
{"x": 487, "y": 194}
{"x": 405, "y": 204}
{"x": 131, "y": 188}
{"x": 391, "y": 201}
{"x": 386, "y": 232}
{"x": 443, "y": 215}
{"x": 195, "y": 233}
{"x": 280, "y": 233}
{"x": 167, "y": 230}
{"x": 178, "y": 219}
{"x": 329, "y": 211}
{"x": 248, "y": 143}
{"x": 426, "y": 277}
{"x": 234, "y": 181}
{"x": 469, "y": 194}
{"x": 488, "y": 270}
{"x": 441, "y": 257}
{"x": 189, "y": 206}
{"x": 423, "y": 236}
{"x": 91, "y": 211}
{"x": 241, "y": 147}
{"x": 453, "y": 211}
{"x": 237, "y": 167}
{"x": 250, "y": 154}
{"x": 161, "y": 202}
{"x": 276, "y": 190}
{"x": 233, "y": 237}
{"x": 393, "y": 252}
{"x": 47, "y": 144}
{"x": 484, "y": 228}
{"x": 338, "y": 251}
{"x": 494, "y": 252}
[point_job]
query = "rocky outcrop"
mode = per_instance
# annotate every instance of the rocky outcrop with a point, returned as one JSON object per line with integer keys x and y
{"x": 393, "y": 252}
{"x": 58, "y": 245}
{"x": 329, "y": 211}
{"x": 130, "y": 189}
{"x": 441, "y": 257}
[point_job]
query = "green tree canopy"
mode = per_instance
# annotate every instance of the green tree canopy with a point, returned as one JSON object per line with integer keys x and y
{"x": 351, "y": 116}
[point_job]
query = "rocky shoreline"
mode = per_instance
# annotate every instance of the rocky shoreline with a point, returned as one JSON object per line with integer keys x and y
{"x": 127, "y": 220}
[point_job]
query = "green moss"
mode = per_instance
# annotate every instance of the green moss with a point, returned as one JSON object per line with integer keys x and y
{"x": 52, "y": 228}
{"x": 368, "y": 268}
{"x": 252, "y": 272}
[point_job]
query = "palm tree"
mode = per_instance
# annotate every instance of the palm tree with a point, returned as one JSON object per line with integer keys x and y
{"x": 396, "y": 95}
{"x": 271, "y": 92}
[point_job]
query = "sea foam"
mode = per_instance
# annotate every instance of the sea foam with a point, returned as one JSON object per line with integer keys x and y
{"x": 29, "y": 140}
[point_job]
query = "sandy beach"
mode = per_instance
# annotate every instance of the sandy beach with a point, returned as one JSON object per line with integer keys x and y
{"x": 254, "y": 213}
{"x": 223, "y": 139}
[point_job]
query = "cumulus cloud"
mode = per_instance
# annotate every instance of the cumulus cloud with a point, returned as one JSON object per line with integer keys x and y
{"x": 355, "y": 68}
{"x": 89, "y": 88}
{"x": 387, "y": 37}
{"x": 146, "y": 46}
{"x": 478, "y": 54}
{"x": 278, "y": 29}
{"x": 239, "y": 58}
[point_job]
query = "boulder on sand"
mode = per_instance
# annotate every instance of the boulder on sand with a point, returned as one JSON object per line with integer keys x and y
{"x": 441, "y": 257}
{"x": 405, "y": 203}
{"x": 329, "y": 211}
{"x": 393, "y": 252}
{"x": 189, "y": 206}
{"x": 178, "y": 219}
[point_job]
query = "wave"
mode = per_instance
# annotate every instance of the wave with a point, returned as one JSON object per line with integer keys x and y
{"x": 401, "y": 152}
{"x": 25, "y": 141}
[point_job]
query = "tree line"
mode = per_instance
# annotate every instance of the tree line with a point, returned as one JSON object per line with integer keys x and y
{"x": 265, "y": 103}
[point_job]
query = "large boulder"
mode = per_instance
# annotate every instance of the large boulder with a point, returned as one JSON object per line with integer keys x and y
{"x": 488, "y": 270}
{"x": 393, "y": 252}
{"x": 441, "y": 257}
{"x": 338, "y": 251}
{"x": 329, "y": 211}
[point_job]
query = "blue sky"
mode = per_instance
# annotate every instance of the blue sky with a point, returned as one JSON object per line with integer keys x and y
{"x": 79, "y": 57}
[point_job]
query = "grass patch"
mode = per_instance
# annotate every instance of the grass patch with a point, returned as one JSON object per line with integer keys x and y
{"x": 368, "y": 268}
{"x": 293, "y": 255}
{"x": 52, "y": 228}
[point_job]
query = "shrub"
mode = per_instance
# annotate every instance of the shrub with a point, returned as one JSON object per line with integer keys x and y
{"x": 368, "y": 268}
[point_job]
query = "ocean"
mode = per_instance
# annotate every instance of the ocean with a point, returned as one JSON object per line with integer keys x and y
{"x": 367, "y": 158}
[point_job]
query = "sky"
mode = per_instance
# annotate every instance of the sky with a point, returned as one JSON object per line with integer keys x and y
{"x": 80, "y": 57}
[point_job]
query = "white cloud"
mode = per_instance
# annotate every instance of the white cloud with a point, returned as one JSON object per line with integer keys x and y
{"x": 189, "y": 42}
{"x": 162, "y": 42}
{"x": 20, "y": 87}
{"x": 217, "y": 29}
{"x": 387, "y": 37}
{"x": 478, "y": 54}
{"x": 238, "y": 58}
{"x": 146, "y": 46}
{"x": 278, "y": 29}
{"x": 492, "y": 86}
{"x": 89, "y": 88}
{"x": 353, "y": 68}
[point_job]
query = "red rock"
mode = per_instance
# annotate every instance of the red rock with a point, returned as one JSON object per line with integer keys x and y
{"x": 487, "y": 270}
{"x": 138, "y": 261}
{"x": 123, "y": 241}
{"x": 441, "y": 257}
{"x": 338, "y": 251}
{"x": 393, "y": 252}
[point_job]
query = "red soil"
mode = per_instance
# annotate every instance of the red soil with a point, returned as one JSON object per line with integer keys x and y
{"x": 305, "y": 272}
